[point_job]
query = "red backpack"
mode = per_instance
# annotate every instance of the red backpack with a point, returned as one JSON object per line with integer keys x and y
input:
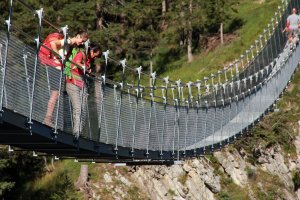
{"x": 45, "y": 53}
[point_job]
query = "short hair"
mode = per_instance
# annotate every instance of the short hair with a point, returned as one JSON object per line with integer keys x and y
{"x": 82, "y": 34}
{"x": 95, "y": 48}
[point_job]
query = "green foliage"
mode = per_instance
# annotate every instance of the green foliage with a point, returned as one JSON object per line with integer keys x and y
{"x": 274, "y": 129}
{"x": 254, "y": 18}
{"x": 136, "y": 30}
{"x": 251, "y": 173}
{"x": 60, "y": 187}
{"x": 171, "y": 192}
{"x": 133, "y": 193}
{"x": 268, "y": 186}
{"x": 223, "y": 196}
{"x": 296, "y": 179}
{"x": 230, "y": 190}
{"x": 6, "y": 187}
{"x": 183, "y": 178}
{"x": 17, "y": 169}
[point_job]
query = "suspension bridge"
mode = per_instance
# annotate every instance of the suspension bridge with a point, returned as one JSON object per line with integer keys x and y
{"x": 126, "y": 121}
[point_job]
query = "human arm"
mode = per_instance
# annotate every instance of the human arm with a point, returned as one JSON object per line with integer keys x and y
{"x": 56, "y": 45}
{"x": 80, "y": 60}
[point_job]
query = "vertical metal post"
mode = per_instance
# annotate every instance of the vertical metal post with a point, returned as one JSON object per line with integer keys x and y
{"x": 262, "y": 52}
{"x": 178, "y": 83}
{"x": 275, "y": 39}
{"x": 248, "y": 62}
{"x": 152, "y": 86}
{"x": 249, "y": 109}
{"x": 206, "y": 109}
{"x": 123, "y": 63}
{"x": 232, "y": 89}
{"x": 215, "y": 106}
{"x": 266, "y": 46}
{"x": 222, "y": 121}
{"x": 139, "y": 71}
{"x": 1, "y": 59}
{"x": 105, "y": 54}
{"x": 188, "y": 102}
{"x": 229, "y": 118}
{"x": 165, "y": 96}
{"x": 252, "y": 58}
{"x": 223, "y": 104}
{"x": 175, "y": 118}
{"x": 8, "y": 24}
{"x": 251, "y": 81}
{"x": 198, "y": 103}
{"x": 26, "y": 74}
{"x": 270, "y": 39}
{"x": 242, "y": 64}
{"x": 278, "y": 32}
{"x": 236, "y": 112}
{"x": 37, "y": 40}
{"x": 84, "y": 98}
{"x": 88, "y": 117}
{"x": 48, "y": 82}
{"x": 242, "y": 118}
{"x": 237, "y": 72}
{"x": 281, "y": 25}
{"x": 64, "y": 30}
{"x": 252, "y": 53}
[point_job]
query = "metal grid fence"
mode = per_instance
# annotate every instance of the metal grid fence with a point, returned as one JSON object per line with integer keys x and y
{"x": 131, "y": 116}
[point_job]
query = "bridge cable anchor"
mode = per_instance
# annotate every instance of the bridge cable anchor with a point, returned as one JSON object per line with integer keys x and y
{"x": 29, "y": 124}
{"x": 1, "y": 116}
{"x": 54, "y": 134}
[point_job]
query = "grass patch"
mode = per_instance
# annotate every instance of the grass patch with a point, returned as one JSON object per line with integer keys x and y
{"x": 267, "y": 186}
{"x": 275, "y": 129}
{"x": 56, "y": 185}
{"x": 171, "y": 192}
{"x": 296, "y": 179}
{"x": 223, "y": 196}
{"x": 133, "y": 193}
{"x": 231, "y": 191}
{"x": 251, "y": 173}
{"x": 255, "y": 17}
{"x": 183, "y": 178}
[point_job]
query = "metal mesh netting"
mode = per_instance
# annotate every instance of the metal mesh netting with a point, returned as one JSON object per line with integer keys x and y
{"x": 123, "y": 118}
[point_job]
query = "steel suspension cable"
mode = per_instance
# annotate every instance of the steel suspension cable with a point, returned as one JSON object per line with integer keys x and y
{"x": 8, "y": 24}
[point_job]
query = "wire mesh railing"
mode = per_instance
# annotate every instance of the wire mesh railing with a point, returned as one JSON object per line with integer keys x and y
{"x": 165, "y": 116}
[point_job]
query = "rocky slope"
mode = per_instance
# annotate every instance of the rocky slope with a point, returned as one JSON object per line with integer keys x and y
{"x": 226, "y": 174}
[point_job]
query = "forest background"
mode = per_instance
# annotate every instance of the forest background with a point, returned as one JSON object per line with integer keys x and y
{"x": 159, "y": 35}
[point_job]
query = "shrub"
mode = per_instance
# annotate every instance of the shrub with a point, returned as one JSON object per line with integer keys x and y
{"x": 296, "y": 179}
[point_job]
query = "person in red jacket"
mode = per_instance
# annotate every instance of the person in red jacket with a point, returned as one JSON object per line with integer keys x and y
{"x": 76, "y": 86}
{"x": 50, "y": 53}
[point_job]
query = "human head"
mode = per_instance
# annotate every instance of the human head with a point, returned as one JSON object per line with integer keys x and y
{"x": 80, "y": 38}
{"x": 95, "y": 51}
{"x": 294, "y": 10}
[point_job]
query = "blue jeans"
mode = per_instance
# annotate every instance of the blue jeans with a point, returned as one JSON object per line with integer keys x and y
{"x": 78, "y": 99}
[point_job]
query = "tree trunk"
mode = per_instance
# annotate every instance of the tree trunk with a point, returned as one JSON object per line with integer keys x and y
{"x": 100, "y": 24}
{"x": 83, "y": 177}
{"x": 221, "y": 34}
{"x": 151, "y": 71}
{"x": 163, "y": 7}
{"x": 189, "y": 47}
{"x": 46, "y": 164}
{"x": 190, "y": 35}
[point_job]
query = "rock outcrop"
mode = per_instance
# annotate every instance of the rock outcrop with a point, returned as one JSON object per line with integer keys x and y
{"x": 194, "y": 179}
